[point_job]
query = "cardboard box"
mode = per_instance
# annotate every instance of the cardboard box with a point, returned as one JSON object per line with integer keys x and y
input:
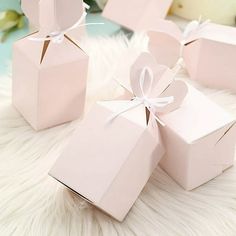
{"x": 209, "y": 52}
{"x": 49, "y": 81}
{"x": 199, "y": 138}
{"x": 109, "y": 163}
{"x": 115, "y": 150}
{"x": 136, "y": 15}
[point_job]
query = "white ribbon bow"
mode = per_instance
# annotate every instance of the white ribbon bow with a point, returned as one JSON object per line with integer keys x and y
{"x": 152, "y": 104}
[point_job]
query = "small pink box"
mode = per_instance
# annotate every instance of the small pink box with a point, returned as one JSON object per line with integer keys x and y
{"x": 199, "y": 138}
{"x": 108, "y": 163}
{"x": 49, "y": 81}
{"x": 136, "y": 15}
{"x": 209, "y": 52}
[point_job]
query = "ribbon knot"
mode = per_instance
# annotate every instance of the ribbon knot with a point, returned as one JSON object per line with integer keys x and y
{"x": 145, "y": 83}
{"x": 57, "y": 37}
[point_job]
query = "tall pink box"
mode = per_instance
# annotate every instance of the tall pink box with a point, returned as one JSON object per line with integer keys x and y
{"x": 136, "y": 15}
{"x": 104, "y": 164}
{"x": 118, "y": 145}
{"x": 49, "y": 81}
{"x": 209, "y": 51}
{"x": 49, "y": 67}
{"x": 199, "y": 139}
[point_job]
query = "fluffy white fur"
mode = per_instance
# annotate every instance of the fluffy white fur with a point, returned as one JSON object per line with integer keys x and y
{"x": 32, "y": 203}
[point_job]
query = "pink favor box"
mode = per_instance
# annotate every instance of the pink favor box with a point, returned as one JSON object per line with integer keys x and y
{"x": 136, "y": 15}
{"x": 209, "y": 54}
{"x": 199, "y": 138}
{"x": 107, "y": 162}
{"x": 211, "y": 57}
{"x": 49, "y": 81}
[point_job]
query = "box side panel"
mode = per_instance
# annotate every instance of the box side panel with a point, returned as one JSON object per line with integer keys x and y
{"x": 226, "y": 146}
{"x": 62, "y": 53}
{"x": 133, "y": 175}
{"x": 176, "y": 160}
{"x": 62, "y": 92}
{"x": 96, "y": 153}
{"x": 191, "y": 55}
{"x": 25, "y": 85}
{"x": 216, "y": 65}
{"x": 30, "y": 48}
{"x": 211, "y": 155}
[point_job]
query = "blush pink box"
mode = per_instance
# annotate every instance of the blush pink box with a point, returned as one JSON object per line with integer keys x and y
{"x": 108, "y": 163}
{"x": 211, "y": 57}
{"x": 209, "y": 54}
{"x": 136, "y": 15}
{"x": 199, "y": 138}
{"x": 49, "y": 81}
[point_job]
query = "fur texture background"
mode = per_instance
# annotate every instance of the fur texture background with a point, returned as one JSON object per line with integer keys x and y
{"x": 32, "y": 203}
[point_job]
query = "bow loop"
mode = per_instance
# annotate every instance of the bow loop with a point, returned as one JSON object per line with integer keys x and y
{"x": 145, "y": 83}
{"x": 146, "y": 68}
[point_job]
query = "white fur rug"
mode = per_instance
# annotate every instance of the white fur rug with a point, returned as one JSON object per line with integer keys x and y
{"x": 32, "y": 203}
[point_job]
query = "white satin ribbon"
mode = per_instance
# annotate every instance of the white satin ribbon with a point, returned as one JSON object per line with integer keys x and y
{"x": 152, "y": 104}
{"x": 58, "y": 36}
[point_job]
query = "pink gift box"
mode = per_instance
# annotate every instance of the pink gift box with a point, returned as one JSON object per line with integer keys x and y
{"x": 209, "y": 52}
{"x": 49, "y": 81}
{"x": 136, "y": 15}
{"x": 104, "y": 164}
{"x": 199, "y": 138}
{"x": 115, "y": 150}
{"x": 49, "y": 67}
